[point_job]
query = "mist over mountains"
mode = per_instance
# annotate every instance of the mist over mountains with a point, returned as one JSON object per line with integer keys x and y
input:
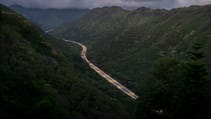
{"x": 50, "y": 18}
{"x": 127, "y": 4}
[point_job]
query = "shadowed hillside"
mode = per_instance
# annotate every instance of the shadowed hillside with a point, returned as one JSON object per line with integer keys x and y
{"x": 38, "y": 81}
{"x": 163, "y": 55}
{"x": 126, "y": 43}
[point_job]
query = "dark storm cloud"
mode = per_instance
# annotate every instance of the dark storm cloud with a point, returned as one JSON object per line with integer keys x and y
{"x": 101, "y": 3}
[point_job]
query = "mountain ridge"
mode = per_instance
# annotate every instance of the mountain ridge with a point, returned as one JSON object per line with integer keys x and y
{"x": 50, "y": 18}
{"x": 132, "y": 40}
{"x": 39, "y": 81}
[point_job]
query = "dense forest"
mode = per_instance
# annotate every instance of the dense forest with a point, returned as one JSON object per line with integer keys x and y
{"x": 164, "y": 55}
{"x": 126, "y": 43}
{"x": 177, "y": 89}
{"x": 38, "y": 81}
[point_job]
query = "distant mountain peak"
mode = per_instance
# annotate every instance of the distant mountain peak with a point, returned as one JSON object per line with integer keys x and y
{"x": 23, "y": 7}
{"x": 143, "y": 9}
{"x": 111, "y": 9}
{"x": 51, "y": 17}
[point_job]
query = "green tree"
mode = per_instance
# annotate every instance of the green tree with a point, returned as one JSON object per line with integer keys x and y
{"x": 196, "y": 96}
{"x": 160, "y": 93}
{"x": 177, "y": 89}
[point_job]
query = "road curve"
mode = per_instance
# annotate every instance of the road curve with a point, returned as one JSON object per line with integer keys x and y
{"x": 102, "y": 73}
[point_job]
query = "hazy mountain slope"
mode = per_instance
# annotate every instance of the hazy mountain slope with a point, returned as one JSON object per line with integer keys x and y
{"x": 50, "y": 18}
{"x": 38, "y": 81}
{"x": 126, "y": 43}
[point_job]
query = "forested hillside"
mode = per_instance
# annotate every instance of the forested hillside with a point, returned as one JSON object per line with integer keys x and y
{"x": 164, "y": 55}
{"x": 38, "y": 81}
{"x": 126, "y": 43}
{"x": 50, "y": 18}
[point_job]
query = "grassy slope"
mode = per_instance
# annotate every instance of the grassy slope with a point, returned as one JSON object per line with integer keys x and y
{"x": 38, "y": 81}
{"x": 126, "y": 43}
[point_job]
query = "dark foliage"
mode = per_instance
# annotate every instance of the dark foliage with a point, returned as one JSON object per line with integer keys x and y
{"x": 38, "y": 81}
{"x": 177, "y": 90}
{"x": 125, "y": 43}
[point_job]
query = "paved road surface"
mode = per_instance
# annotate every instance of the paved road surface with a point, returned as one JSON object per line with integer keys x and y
{"x": 102, "y": 73}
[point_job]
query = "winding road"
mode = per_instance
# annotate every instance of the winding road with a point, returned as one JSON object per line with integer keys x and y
{"x": 102, "y": 73}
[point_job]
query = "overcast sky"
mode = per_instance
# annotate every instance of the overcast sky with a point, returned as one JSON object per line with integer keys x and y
{"x": 100, "y": 3}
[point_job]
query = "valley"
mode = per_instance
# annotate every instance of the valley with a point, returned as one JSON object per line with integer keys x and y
{"x": 133, "y": 40}
{"x": 117, "y": 63}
